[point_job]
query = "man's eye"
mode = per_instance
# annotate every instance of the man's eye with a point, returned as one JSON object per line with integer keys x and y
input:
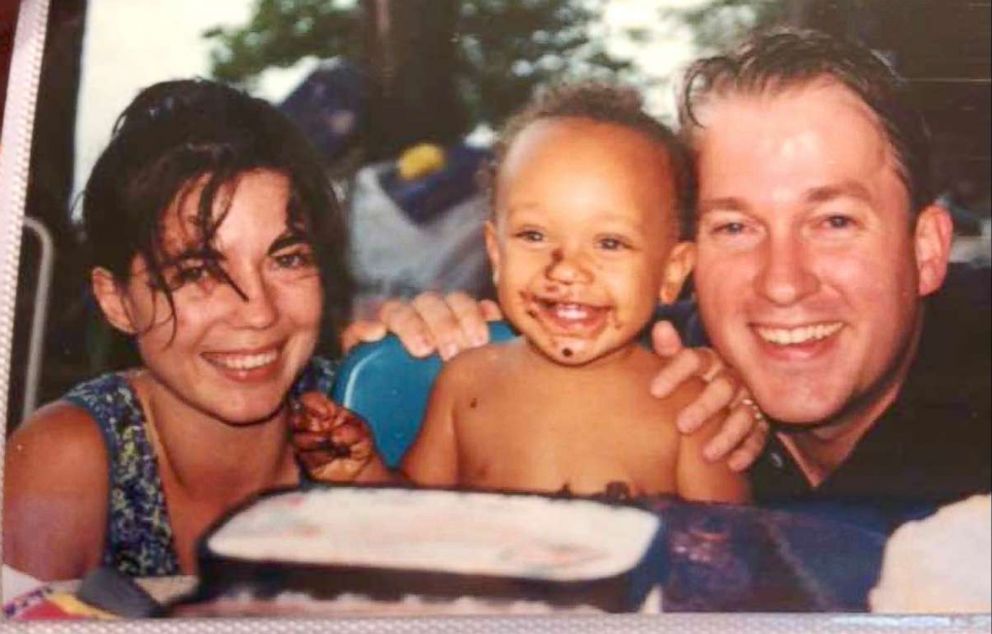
{"x": 838, "y": 222}
{"x": 730, "y": 228}
{"x": 295, "y": 259}
{"x": 530, "y": 235}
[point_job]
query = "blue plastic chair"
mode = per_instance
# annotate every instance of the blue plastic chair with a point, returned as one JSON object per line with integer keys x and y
{"x": 389, "y": 387}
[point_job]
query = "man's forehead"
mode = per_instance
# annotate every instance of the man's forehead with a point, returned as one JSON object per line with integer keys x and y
{"x": 781, "y": 124}
{"x": 823, "y": 94}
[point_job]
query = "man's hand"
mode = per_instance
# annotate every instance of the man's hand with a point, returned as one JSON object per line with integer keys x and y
{"x": 447, "y": 324}
{"x": 743, "y": 433}
{"x": 333, "y": 443}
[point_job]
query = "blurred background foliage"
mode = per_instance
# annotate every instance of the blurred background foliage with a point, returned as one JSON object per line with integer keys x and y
{"x": 501, "y": 49}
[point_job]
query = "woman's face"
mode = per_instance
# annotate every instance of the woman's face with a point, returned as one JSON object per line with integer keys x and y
{"x": 232, "y": 357}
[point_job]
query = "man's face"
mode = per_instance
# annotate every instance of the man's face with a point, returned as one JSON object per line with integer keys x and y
{"x": 807, "y": 273}
{"x": 584, "y": 223}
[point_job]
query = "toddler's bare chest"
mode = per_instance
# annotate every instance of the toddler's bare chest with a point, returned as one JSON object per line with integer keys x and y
{"x": 583, "y": 442}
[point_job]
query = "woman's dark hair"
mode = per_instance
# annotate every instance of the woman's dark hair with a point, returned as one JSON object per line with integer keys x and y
{"x": 177, "y": 136}
{"x": 604, "y": 102}
{"x": 784, "y": 58}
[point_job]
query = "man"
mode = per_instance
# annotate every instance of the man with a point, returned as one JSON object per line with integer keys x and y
{"x": 818, "y": 242}
{"x": 818, "y": 248}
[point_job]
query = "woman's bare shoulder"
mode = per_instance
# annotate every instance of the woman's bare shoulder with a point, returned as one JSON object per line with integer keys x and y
{"x": 55, "y": 493}
{"x": 63, "y": 438}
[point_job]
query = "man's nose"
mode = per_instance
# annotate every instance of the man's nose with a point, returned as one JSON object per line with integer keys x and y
{"x": 569, "y": 265}
{"x": 785, "y": 276}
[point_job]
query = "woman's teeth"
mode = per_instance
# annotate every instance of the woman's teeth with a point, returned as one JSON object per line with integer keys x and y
{"x": 802, "y": 334}
{"x": 245, "y": 361}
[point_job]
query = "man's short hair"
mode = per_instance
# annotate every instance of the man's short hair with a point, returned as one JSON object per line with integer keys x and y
{"x": 784, "y": 58}
{"x": 604, "y": 102}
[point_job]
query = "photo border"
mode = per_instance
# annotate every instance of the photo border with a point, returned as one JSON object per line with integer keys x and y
{"x": 25, "y": 70}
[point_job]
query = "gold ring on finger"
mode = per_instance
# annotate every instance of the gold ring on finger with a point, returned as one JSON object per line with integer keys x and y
{"x": 756, "y": 412}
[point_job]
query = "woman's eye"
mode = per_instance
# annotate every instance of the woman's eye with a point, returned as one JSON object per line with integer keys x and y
{"x": 188, "y": 274}
{"x": 192, "y": 274}
{"x": 294, "y": 259}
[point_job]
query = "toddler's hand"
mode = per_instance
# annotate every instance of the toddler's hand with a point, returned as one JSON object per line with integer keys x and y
{"x": 333, "y": 443}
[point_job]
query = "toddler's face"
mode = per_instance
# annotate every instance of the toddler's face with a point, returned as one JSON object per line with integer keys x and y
{"x": 584, "y": 223}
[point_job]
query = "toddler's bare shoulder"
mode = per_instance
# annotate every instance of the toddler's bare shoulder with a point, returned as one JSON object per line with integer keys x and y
{"x": 476, "y": 364}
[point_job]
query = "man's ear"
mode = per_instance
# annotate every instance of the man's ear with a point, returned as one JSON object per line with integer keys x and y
{"x": 932, "y": 247}
{"x": 492, "y": 248}
{"x": 112, "y": 301}
{"x": 677, "y": 269}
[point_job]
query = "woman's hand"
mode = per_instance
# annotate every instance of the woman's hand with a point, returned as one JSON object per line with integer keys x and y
{"x": 333, "y": 443}
{"x": 744, "y": 432}
{"x": 448, "y": 324}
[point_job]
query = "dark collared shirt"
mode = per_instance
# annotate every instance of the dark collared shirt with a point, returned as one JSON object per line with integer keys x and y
{"x": 933, "y": 445}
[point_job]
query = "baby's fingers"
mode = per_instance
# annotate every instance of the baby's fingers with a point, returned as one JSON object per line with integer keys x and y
{"x": 311, "y": 441}
{"x": 312, "y": 412}
{"x": 351, "y": 431}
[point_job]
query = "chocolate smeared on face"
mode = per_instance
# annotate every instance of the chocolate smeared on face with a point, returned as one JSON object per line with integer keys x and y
{"x": 566, "y": 351}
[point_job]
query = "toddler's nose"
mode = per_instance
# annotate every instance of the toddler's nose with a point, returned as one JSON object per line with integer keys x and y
{"x": 568, "y": 267}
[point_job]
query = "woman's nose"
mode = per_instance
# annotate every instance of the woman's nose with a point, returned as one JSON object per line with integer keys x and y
{"x": 257, "y": 307}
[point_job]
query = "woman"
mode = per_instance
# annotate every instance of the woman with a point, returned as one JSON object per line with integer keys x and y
{"x": 218, "y": 247}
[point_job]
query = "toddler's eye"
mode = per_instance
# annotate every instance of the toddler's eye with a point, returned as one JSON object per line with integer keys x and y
{"x": 613, "y": 244}
{"x": 530, "y": 235}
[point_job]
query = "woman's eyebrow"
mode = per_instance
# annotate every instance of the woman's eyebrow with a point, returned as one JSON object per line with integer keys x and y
{"x": 288, "y": 239}
{"x": 193, "y": 253}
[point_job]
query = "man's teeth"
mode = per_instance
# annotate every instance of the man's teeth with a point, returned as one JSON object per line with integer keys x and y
{"x": 245, "y": 361}
{"x": 803, "y": 334}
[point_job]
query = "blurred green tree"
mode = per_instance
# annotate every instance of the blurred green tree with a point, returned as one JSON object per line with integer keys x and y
{"x": 719, "y": 24}
{"x": 502, "y": 48}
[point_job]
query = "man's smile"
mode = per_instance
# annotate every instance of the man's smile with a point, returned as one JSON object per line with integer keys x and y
{"x": 797, "y": 335}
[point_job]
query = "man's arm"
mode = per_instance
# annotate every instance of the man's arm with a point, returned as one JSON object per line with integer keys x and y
{"x": 742, "y": 435}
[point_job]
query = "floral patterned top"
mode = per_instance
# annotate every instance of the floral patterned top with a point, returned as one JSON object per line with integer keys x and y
{"x": 139, "y": 536}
